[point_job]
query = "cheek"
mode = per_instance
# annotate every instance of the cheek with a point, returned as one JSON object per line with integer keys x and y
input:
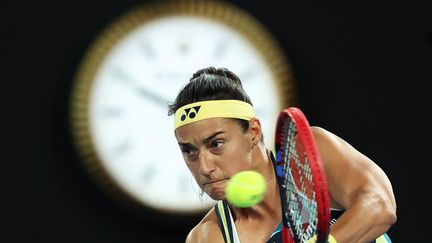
{"x": 193, "y": 167}
{"x": 240, "y": 158}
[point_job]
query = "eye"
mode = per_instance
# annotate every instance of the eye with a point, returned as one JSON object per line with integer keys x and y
{"x": 190, "y": 153}
{"x": 217, "y": 144}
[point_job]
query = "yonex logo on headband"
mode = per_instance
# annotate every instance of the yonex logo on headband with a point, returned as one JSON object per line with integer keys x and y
{"x": 213, "y": 108}
{"x": 190, "y": 114}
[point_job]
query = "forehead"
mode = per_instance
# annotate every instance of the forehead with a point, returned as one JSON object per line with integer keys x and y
{"x": 205, "y": 128}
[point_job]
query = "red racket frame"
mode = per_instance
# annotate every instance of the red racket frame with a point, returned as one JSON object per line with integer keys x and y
{"x": 317, "y": 170}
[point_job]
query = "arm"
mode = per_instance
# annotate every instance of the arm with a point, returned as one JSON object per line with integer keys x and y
{"x": 206, "y": 231}
{"x": 193, "y": 235}
{"x": 359, "y": 186}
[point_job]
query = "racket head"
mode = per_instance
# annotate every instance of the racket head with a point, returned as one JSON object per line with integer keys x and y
{"x": 302, "y": 181}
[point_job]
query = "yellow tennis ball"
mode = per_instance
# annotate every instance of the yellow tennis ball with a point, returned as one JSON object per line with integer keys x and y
{"x": 246, "y": 189}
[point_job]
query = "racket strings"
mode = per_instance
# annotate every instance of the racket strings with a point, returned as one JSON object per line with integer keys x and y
{"x": 302, "y": 214}
{"x": 323, "y": 210}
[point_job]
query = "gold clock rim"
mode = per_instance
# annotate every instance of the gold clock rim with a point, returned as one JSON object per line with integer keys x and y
{"x": 223, "y": 12}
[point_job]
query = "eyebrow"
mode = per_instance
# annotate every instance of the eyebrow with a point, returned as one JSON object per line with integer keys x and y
{"x": 208, "y": 139}
{"x": 205, "y": 141}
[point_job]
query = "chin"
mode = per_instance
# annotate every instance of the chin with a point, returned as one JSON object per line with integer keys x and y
{"x": 216, "y": 195}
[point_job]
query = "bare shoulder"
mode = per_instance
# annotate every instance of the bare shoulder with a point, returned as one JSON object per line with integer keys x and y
{"x": 322, "y": 135}
{"x": 338, "y": 155}
{"x": 349, "y": 172}
{"x": 207, "y": 230}
{"x": 331, "y": 145}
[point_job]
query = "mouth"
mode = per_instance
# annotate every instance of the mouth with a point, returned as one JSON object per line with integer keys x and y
{"x": 215, "y": 188}
{"x": 214, "y": 182}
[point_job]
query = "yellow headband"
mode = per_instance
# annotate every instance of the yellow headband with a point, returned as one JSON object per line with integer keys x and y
{"x": 213, "y": 108}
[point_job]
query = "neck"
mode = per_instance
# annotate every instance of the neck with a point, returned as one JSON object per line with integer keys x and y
{"x": 270, "y": 205}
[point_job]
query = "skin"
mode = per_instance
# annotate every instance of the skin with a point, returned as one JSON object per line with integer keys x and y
{"x": 217, "y": 148}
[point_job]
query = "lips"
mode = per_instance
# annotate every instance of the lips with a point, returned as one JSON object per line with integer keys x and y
{"x": 215, "y": 188}
{"x": 214, "y": 182}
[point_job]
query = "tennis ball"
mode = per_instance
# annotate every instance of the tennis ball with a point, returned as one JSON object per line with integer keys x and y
{"x": 246, "y": 189}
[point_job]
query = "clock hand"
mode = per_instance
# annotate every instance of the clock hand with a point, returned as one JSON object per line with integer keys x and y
{"x": 143, "y": 91}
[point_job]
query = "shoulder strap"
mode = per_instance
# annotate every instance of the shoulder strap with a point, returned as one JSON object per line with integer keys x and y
{"x": 226, "y": 222}
{"x": 222, "y": 214}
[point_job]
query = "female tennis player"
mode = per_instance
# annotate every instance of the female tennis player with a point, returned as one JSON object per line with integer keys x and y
{"x": 219, "y": 135}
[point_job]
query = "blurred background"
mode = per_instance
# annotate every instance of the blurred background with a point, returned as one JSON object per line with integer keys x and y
{"x": 361, "y": 72}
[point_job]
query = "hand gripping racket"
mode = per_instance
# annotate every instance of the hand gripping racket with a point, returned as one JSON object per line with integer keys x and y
{"x": 302, "y": 181}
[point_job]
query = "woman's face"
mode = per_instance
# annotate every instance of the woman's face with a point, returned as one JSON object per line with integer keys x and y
{"x": 215, "y": 149}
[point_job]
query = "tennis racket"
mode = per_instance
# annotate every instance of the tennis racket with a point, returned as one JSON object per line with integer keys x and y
{"x": 302, "y": 182}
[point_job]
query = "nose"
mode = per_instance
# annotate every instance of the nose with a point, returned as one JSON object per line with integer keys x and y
{"x": 207, "y": 164}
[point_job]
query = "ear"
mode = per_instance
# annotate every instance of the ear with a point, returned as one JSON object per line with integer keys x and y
{"x": 255, "y": 130}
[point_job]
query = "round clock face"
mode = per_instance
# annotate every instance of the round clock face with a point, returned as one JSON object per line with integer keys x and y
{"x": 124, "y": 103}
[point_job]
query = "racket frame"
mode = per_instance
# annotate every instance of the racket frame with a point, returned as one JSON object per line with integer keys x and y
{"x": 304, "y": 132}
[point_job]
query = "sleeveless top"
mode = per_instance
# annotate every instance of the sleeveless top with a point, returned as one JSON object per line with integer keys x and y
{"x": 229, "y": 231}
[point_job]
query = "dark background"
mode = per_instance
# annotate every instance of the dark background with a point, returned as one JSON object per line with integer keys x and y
{"x": 362, "y": 72}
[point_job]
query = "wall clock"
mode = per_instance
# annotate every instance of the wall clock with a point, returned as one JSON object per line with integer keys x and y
{"x": 136, "y": 65}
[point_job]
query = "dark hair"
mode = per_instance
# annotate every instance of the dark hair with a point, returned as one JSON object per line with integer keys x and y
{"x": 212, "y": 84}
